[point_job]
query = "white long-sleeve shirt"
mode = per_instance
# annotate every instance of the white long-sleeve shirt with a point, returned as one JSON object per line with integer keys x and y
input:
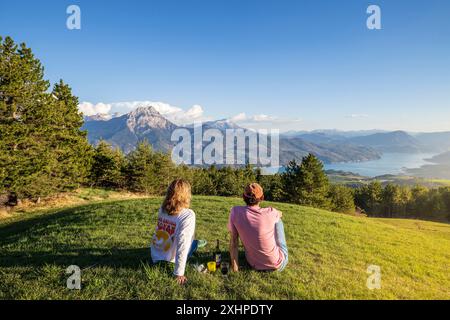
{"x": 173, "y": 238}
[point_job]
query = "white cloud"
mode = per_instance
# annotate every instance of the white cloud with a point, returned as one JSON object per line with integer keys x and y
{"x": 263, "y": 118}
{"x": 239, "y": 117}
{"x": 188, "y": 116}
{"x": 242, "y": 117}
{"x": 263, "y": 121}
{"x": 90, "y": 109}
{"x": 172, "y": 113}
{"x": 127, "y": 106}
{"x": 195, "y": 113}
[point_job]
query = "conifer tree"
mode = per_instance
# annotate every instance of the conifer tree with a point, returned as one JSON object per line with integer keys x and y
{"x": 42, "y": 149}
{"x": 341, "y": 198}
{"x": 307, "y": 183}
{"x": 108, "y": 165}
{"x": 140, "y": 169}
{"x": 313, "y": 183}
{"x": 71, "y": 150}
{"x": 369, "y": 197}
{"x": 273, "y": 187}
{"x": 290, "y": 180}
{"x": 391, "y": 199}
{"x": 148, "y": 171}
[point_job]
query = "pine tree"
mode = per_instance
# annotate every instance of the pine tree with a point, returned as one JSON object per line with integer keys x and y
{"x": 42, "y": 149}
{"x": 369, "y": 197}
{"x": 22, "y": 94}
{"x": 228, "y": 182}
{"x": 148, "y": 171}
{"x": 273, "y": 187}
{"x": 140, "y": 169}
{"x": 391, "y": 199}
{"x": 306, "y": 183}
{"x": 71, "y": 150}
{"x": 313, "y": 183}
{"x": 203, "y": 182}
{"x": 290, "y": 180}
{"x": 107, "y": 166}
{"x": 445, "y": 194}
{"x": 419, "y": 202}
{"x": 164, "y": 170}
{"x": 341, "y": 198}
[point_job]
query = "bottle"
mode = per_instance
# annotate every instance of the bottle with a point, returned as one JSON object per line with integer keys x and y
{"x": 224, "y": 266}
{"x": 217, "y": 255}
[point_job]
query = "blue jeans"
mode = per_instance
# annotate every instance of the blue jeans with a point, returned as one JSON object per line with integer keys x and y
{"x": 194, "y": 247}
{"x": 280, "y": 239}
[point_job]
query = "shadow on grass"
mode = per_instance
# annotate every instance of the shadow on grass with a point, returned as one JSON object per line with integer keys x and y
{"x": 13, "y": 231}
{"x": 83, "y": 257}
{"x": 64, "y": 255}
{"x": 130, "y": 258}
{"x": 38, "y": 224}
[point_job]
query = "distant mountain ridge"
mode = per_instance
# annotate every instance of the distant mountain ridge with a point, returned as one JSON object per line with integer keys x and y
{"x": 126, "y": 131}
{"x": 396, "y": 141}
{"x": 382, "y": 141}
{"x": 146, "y": 123}
{"x": 331, "y": 146}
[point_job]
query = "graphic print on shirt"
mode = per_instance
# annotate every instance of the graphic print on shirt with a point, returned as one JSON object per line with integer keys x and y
{"x": 164, "y": 235}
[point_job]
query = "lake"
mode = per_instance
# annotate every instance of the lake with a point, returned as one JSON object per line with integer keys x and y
{"x": 389, "y": 163}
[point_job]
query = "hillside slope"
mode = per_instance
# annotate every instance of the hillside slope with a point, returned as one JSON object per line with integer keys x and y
{"x": 146, "y": 123}
{"x": 329, "y": 255}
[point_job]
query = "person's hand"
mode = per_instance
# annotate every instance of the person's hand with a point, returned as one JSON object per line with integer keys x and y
{"x": 181, "y": 279}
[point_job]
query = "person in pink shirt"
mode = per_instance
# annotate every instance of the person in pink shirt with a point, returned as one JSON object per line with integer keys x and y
{"x": 261, "y": 232}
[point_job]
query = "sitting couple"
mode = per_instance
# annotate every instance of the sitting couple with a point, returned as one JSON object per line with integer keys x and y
{"x": 260, "y": 230}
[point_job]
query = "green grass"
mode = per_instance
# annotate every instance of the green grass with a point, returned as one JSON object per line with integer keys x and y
{"x": 329, "y": 255}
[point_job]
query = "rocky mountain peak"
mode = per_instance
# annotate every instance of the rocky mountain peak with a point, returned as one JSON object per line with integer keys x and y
{"x": 144, "y": 111}
{"x": 146, "y": 118}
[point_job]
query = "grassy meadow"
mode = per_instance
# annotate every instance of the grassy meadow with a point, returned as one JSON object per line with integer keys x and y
{"x": 109, "y": 239}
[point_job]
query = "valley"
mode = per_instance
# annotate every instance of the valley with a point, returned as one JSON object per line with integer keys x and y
{"x": 369, "y": 153}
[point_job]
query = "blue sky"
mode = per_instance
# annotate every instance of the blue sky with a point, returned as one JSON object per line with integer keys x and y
{"x": 286, "y": 64}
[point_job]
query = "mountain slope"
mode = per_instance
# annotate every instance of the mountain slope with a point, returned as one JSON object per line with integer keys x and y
{"x": 328, "y": 152}
{"x": 147, "y": 123}
{"x": 143, "y": 123}
{"x": 396, "y": 141}
{"x": 440, "y": 141}
{"x": 329, "y": 255}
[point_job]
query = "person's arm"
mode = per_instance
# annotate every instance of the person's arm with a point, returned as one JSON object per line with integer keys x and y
{"x": 278, "y": 213}
{"x": 234, "y": 243}
{"x": 183, "y": 243}
{"x": 234, "y": 251}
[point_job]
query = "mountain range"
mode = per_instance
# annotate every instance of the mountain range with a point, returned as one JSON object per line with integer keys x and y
{"x": 382, "y": 141}
{"x": 146, "y": 123}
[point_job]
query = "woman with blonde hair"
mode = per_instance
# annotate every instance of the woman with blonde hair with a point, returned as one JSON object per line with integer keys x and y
{"x": 173, "y": 240}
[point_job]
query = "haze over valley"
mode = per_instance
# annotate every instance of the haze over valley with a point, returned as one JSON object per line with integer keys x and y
{"x": 367, "y": 152}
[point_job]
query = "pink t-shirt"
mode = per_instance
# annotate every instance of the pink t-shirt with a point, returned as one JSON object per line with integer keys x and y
{"x": 256, "y": 228}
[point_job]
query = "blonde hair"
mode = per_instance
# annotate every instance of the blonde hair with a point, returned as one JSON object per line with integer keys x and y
{"x": 178, "y": 197}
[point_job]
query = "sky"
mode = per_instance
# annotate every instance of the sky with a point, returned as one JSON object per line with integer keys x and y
{"x": 289, "y": 65}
